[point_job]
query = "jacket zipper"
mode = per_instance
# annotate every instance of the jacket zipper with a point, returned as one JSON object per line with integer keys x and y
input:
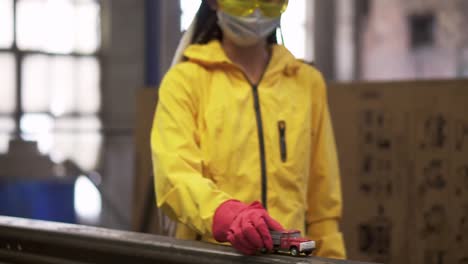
{"x": 261, "y": 141}
{"x": 282, "y": 140}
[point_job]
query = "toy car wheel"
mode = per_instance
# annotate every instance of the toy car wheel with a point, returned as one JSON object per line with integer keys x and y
{"x": 294, "y": 252}
{"x": 308, "y": 252}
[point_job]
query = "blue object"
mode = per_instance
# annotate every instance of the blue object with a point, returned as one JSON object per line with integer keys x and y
{"x": 41, "y": 200}
{"x": 152, "y": 39}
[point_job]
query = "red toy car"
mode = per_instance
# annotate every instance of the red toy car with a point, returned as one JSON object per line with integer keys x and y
{"x": 292, "y": 242}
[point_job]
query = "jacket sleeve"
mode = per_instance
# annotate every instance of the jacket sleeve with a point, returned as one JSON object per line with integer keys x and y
{"x": 324, "y": 188}
{"x": 181, "y": 190}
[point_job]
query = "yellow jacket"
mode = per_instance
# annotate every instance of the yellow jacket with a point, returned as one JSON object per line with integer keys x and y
{"x": 217, "y": 137}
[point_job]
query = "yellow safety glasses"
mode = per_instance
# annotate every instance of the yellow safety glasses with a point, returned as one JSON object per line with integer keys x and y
{"x": 269, "y": 8}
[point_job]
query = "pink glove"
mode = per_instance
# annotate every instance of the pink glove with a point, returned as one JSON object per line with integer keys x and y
{"x": 246, "y": 227}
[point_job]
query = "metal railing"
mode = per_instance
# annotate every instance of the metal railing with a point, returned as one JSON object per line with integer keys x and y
{"x": 32, "y": 241}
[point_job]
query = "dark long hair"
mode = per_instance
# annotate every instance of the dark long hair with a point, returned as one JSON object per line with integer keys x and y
{"x": 207, "y": 29}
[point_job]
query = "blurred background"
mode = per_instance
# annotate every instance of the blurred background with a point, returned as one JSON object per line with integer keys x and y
{"x": 71, "y": 72}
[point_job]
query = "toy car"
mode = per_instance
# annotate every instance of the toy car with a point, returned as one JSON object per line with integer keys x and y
{"x": 292, "y": 242}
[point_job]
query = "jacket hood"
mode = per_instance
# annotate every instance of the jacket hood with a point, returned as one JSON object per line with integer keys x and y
{"x": 213, "y": 55}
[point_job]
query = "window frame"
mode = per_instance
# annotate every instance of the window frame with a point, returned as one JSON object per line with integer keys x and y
{"x": 20, "y": 55}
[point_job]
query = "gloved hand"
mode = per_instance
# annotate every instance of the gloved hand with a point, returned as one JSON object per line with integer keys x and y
{"x": 246, "y": 227}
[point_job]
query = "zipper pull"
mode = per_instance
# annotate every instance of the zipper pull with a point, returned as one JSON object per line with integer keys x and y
{"x": 282, "y": 140}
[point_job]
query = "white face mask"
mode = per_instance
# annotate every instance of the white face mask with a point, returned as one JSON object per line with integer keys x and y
{"x": 247, "y": 31}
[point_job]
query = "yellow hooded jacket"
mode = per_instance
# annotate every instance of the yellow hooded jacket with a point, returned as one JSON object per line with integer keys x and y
{"x": 217, "y": 137}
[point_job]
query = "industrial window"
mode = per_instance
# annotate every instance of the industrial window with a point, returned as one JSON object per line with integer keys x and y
{"x": 422, "y": 28}
{"x": 297, "y": 33}
{"x": 51, "y": 77}
{"x": 366, "y": 6}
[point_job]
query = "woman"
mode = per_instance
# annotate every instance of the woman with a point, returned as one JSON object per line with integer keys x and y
{"x": 242, "y": 141}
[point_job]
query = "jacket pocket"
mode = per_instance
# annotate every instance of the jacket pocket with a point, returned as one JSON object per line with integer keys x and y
{"x": 282, "y": 140}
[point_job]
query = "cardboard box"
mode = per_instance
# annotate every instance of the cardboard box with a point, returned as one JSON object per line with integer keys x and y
{"x": 403, "y": 151}
{"x": 147, "y": 217}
